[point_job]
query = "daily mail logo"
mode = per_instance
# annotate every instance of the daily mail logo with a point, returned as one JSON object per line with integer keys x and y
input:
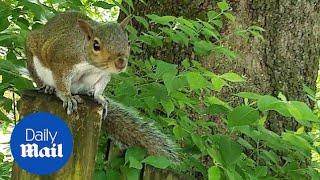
{"x": 41, "y": 143}
{"x": 32, "y": 150}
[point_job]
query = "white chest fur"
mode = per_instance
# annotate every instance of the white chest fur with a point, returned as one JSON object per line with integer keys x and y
{"x": 87, "y": 78}
{"x": 83, "y": 77}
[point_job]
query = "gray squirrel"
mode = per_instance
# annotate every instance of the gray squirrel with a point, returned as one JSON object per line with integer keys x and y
{"x": 73, "y": 54}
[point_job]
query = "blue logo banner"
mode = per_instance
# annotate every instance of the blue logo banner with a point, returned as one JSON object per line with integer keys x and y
{"x": 41, "y": 143}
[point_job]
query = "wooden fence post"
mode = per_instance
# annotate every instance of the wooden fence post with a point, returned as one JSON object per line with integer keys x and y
{"x": 85, "y": 127}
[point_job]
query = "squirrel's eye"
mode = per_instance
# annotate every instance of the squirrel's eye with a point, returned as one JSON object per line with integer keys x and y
{"x": 96, "y": 45}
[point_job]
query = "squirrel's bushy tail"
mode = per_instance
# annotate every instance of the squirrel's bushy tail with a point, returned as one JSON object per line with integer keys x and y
{"x": 128, "y": 128}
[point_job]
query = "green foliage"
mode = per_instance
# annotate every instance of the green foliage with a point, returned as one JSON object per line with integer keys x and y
{"x": 242, "y": 115}
{"x": 157, "y": 161}
{"x": 5, "y": 167}
{"x": 219, "y": 141}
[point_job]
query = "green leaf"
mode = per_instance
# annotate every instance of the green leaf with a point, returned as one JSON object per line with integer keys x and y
{"x": 210, "y": 33}
{"x": 257, "y": 34}
{"x": 217, "y": 83}
{"x": 191, "y": 32}
{"x": 218, "y": 23}
{"x": 137, "y": 152}
{"x": 111, "y": 175}
{"x": 156, "y": 91}
{"x": 173, "y": 83}
{"x": 232, "y": 77}
{"x": 103, "y": 4}
{"x": 186, "y": 22}
{"x": 130, "y": 173}
{"x": 223, "y": 6}
{"x": 214, "y": 100}
{"x": 6, "y": 36}
{"x": 180, "y": 37}
{"x": 261, "y": 171}
{"x": 5, "y": 9}
{"x": 245, "y": 143}
{"x": 297, "y": 141}
{"x": 203, "y": 47}
{"x": 230, "y": 150}
{"x": 100, "y": 175}
{"x": 225, "y": 51}
{"x": 179, "y": 132}
{"x": 311, "y": 93}
{"x": 197, "y": 165}
{"x": 248, "y": 95}
{"x": 198, "y": 141}
{"x": 115, "y": 163}
{"x": 165, "y": 68}
{"x": 215, "y": 155}
{"x": 272, "y": 139}
{"x": 196, "y": 80}
{"x": 168, "y": 106}
{"x": 212, "y": 15}
{"x": 4, "y": 118}
{"x": 232, "y": 174}
{"x": 142, "y": 21}
{"x": 185, "y": 63}
{"x": 134, "y": 163}
{"x": 130, "y": 3}
{"x": 256, "y": 28}
{"x": 121, "y": 7}
{"x": 214, "y": 32}
{"x": 301, "y": 111}
{"x": 214, "y": 173}
{"x": 270, "y": 155}
{"x": 157, "y": 161}
{"x": 35, "y": 8}
{"x": 22, "y": 83}
{"x": 230, "y": 16}
{"x": 4, "y": 24}
{"x": 242, "y": 115}
{"x": 267, "y": 102}
{"x": 22, "y": 23}
{"x": 164, "y": 20}
{"x": 152, "y": 40}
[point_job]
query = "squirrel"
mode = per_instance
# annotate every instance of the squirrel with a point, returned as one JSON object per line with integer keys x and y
{"x": 72, "y": 54}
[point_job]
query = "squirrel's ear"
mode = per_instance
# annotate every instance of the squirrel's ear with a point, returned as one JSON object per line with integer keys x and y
{"x": 125, "y": 22}
{"x": 86, "y": 28}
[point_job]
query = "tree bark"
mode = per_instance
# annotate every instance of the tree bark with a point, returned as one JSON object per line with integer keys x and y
{"x": 284, "y": 62}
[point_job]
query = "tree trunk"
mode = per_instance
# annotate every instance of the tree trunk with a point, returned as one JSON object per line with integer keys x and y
{"x": 284, "y": 62}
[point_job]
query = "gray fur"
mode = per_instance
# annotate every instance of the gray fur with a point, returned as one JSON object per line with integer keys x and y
{"x": 129, "y": 129}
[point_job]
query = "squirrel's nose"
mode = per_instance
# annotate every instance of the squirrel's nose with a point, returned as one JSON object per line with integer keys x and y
{"x": 120, "y": 63}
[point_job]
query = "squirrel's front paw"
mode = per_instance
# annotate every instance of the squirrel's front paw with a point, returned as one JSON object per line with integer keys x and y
{"x": 90, "y": 93}
{"x": 101, "y": 100}
{"x": 47, "y": 89}
{"x": 71, "y": 103}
